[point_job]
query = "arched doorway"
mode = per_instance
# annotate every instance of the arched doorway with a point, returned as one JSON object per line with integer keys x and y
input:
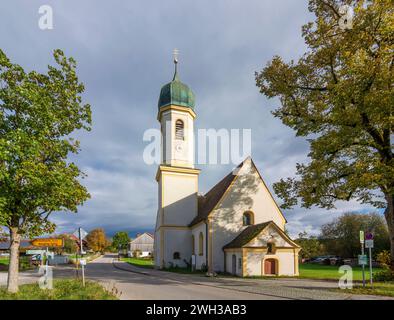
{"x": 270, "y": 266}
{"x": 234, "y": 264}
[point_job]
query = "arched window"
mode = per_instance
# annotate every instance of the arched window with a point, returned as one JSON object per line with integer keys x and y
{"x": 179, "y": 130}
{"x": 201, "y": 244}
{"x": 193, "y": 246}
{"x": 248, "y": 218}
{"x": 176, "y": 256}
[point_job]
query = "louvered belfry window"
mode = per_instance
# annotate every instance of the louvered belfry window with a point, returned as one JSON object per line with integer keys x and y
{"x": 179, "y": 130}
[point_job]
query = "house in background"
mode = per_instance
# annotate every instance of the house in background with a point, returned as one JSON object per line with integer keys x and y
{"x": 141, "y": 246}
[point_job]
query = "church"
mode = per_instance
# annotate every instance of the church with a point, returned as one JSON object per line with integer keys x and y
{"x": 235, "y": 228}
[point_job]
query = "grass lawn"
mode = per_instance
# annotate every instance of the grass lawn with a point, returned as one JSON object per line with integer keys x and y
{"x": 379, "y": 288}
{"x": 316, "y": 271}
{"x": 142, "y": 263}
{"x": 148, "y": 263}
{"x": 62, "y": 290}
{"x": 23, "y": 263}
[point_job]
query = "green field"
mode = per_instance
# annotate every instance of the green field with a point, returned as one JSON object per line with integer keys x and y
{"x": 138, "y": 262}
{"x": 62, "y": 290}
{"x": 316, "y": 271}
{"x": 379, "y": 288}
{"x": 23, "y": 263}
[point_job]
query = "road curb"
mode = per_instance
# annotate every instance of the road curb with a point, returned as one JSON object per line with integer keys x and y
{"x": 116, "y": 265}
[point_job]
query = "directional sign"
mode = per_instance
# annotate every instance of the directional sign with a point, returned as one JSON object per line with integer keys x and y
{"x": 362, "y": 237}
{"x": 369, "y": 236}
{"x": 362, "y": 259}
{"x": 369, "y": 244}
{"x": 80, "y": 233}
{"x": 47, "y": 242}
{"x": 33, "y": 252}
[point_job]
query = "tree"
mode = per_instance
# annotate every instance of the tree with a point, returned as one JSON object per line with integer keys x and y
{"x": 311, "y": 246}
{"x": 341, "y": 236}
{"x": 38, "y": 114}
{"x": 69, "y": 244}
{"x": 340, "y": 96}
{"x": 121, "y": 240}
{"x": 97, "y": 240}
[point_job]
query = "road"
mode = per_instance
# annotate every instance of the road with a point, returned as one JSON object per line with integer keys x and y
{"x": 131, "y": 283}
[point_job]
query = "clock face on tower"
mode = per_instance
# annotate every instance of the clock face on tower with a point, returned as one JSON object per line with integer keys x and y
{"x": 179, "y": 147}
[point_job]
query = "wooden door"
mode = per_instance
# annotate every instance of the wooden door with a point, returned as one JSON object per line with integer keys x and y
{"x": 270, "y": 266}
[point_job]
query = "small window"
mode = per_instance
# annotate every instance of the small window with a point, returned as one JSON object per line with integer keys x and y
{"x": 179, "y": 130}
{"x": 248, "y": 218}
{"x": 270, "y": 248}
{"x": 201, "y": 244}
{"x": 176, "y": 256}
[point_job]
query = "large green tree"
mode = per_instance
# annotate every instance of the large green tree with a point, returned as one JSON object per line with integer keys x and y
{"x": 341, "y": 236}
{"x": 38, "y": 114}
{"x": 120, "y": 240}
{"x": 340, "y": 96}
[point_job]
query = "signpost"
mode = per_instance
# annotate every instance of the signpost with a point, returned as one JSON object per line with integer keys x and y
{"x": 81, "y": 234}
{"x": 362, "y": 260}
{"x": 47, "y": 242}
{"x": 369, "y": 246}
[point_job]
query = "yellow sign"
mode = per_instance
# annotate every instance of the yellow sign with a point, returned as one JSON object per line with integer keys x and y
{"x": 47, "y": 242}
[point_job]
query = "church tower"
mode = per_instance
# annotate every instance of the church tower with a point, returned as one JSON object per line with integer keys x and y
{"x": 176, "y": 176}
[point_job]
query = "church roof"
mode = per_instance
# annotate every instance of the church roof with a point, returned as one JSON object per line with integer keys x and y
{"x": 252, "y": 232}
{"x": 208, "y": 202}
{"x": 247, "y": 235}
{"x": 176, "y": 93}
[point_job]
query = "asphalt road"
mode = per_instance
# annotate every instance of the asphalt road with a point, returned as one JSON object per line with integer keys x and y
{"x": 129, "y": 282}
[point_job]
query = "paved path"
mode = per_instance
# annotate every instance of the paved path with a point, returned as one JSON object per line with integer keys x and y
{"x": 130, "y": 282}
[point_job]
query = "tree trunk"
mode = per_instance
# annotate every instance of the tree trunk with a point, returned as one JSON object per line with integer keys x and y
{"x": 389, "y": 214}
{"x": 13, "y": 270}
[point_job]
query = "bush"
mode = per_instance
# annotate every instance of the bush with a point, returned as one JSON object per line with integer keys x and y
{"x": 384, "y": 275}
{"x": 384, "y": 258}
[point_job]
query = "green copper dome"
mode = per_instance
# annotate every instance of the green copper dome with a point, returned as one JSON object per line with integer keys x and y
{"x": 176, "y": 93}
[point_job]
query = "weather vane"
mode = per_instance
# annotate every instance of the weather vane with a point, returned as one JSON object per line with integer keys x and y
{"x": 175, "y": 54}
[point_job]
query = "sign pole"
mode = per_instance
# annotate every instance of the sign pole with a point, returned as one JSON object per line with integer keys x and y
{"x": 362, "y": 253}
{"x": 370, "y": 267}
{"x": 82, "y": 265}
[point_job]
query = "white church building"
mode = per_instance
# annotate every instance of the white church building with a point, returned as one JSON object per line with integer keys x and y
{"x": 236, "y": 227}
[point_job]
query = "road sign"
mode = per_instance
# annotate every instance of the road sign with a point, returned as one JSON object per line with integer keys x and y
{"x": 369, "y": 236}
{"x": 362, "y": 237}
{"x": 362, "y": 259}
{"x": 369, "y": 244}
{"x": 80, "y": 233}
{"x": 82, "y": 262}
{"x": 33, "y": 252}
{"x": 47, "y": 242}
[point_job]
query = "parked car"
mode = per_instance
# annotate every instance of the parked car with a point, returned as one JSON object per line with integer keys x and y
{"x": 324, "y": 259}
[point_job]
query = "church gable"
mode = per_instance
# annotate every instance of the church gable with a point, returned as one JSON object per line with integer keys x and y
{"x": 260, "y": 235}
{"x": 271, "y": 234}
{"x": 247, "y": 193}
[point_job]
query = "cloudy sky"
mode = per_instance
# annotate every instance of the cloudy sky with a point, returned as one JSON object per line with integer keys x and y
{"x": 124, "y": 54}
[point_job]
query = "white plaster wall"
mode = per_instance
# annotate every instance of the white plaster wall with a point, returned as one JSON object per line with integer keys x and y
{"x": 176, "y": 240}
{"x": 255, "y": 259}
{"x": 247, "y": 193}
{"x": 196, "y": 232}
{"x": 179, "y": 198}
{"x": 157, "y": 255}
{"x": 229, "y": 262}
